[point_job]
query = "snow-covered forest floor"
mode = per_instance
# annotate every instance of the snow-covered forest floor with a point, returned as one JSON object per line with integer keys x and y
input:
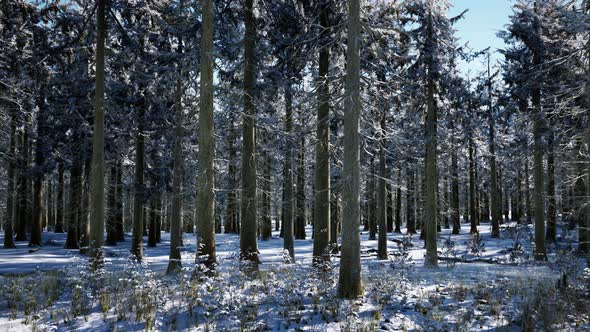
{"x": 491, "y": 284}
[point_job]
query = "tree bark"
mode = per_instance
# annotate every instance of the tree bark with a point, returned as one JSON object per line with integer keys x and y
{"x": 248, "y": 229}
{"x": 288, "y": 213}
{"x": 111, "y": 222}
{"x": 206, "y": 163}
{"x": 382, "y": 195}
{"x": 10, "y": 202}
{"x": 473, "y": 213}
{"x": 59, "y": 204}
{"x": 139, "y": 193}
{"x": 349, "y": 282}
{"x": 495, "y": 204}
{"x": 301, "y": 210}
{"x": 410, "y": 202}
{"x": 321, "y": 224}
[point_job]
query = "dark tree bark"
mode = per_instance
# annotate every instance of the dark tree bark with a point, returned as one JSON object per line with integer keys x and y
{"x": 9, "y": 218}
{"x": 59, "y": 204}
{"x": 111, "y": 201}
{"x": 248, "y": 229}
{"x": 350, "y": 284}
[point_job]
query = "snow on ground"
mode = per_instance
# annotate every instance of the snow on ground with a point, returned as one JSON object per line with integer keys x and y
{"x": 492, "y": 291}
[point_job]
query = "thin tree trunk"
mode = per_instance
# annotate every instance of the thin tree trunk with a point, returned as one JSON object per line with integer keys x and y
{"x": 430, "y": 205}
{"x": 74, "y": 204}
{"x": 248, "y": 240}
{"x": 538, "y": 127}
{"x": 382, "y": 195}
{"x": 119, "y": 226}
{"x": 495, "y": 204}
{"x": 59, "y": 204}
{"x": 398, "y": 203}
{"x": 372, "y": 202}
{"x": 349, "y": 282}
{"x": 10, "y": 202}
{"x": 551, "y": 199}
{"x": 301, "y": 211}
{"x": 321, "y": 224}
{"x": 96, "y": 234}
{"x": 174, "y": 260}
{"x": 206, "y": 163}
{"x": 411, "y": 202}
{"x": 473, "y": 214}
{"x": 139, "y": 194}
{"x": 288, "y": 212}
{"x": 111, "y": 222}
{"x": 455, "y": 209}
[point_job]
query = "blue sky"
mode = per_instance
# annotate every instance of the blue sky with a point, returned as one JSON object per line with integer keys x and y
{"x": 484, "y": 19}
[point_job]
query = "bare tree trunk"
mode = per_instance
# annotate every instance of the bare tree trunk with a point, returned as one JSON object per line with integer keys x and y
{"x": 266, "y": 226}
{"x": 75, "y": 202}
{"x": 59, "y": 204}
{"x": 206, "y": 163}
{"x": 288, "y": 213}
{"x": 398, "y": 203}
{"x": 350, "y": 284}
{"x": 538, "y": 127}
{"x": 119, "y": 226}
{"x": 139, "y": 193}
{"x": 430, "y": 205}
{"x": 455, "y": 209}
{"x": 551, "y": 199}
{"x": 231, "y": 210}
{"x": 174, "y": 261}
{"x": 321, "y": 222}
{"x": 372, "y": 201}
{"x": 301, "y": 210}
{"x": 96, "y": 234}
{"x": 473, "y": 213}
{"x": 527, "y": 191}
{"x": 495, "y": 204}
{"x": 111, "y": 222}
{"x": 10, "y": 202}
{"x": 382, "y": 195}
{"x": 411, "y": 202}
{"x": 248, "y": 240}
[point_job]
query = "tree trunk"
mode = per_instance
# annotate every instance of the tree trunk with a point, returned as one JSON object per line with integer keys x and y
{"x": 538, "y": 128}
{"x": 206, "y": 162}
{"x": 111, "y": 216}
{"x": 398, "y": 203}
{"x": 266, "y": 227}
{"x": 527, "y": 191}
{"x": 349, "y": 282}
{"x": 248, "y": 240}
{"x": 301, "y": 211}
{"x": 321, "y": 224}
{"x": 455, "y": 209}
{"x": 174, "y": 260}
{"x": 287, "y": 230}
{"x": 59, "y": 204}
{"x": 495, "y": 204}
{"x": 231, "y": 210}
{"x": 430, "y": 227}
{"x": 75, "y": 201}
{"x": 382, "y": 195}
{"x": 10, "y": 202}
{"x": 139, "y": 193}
{"x": 411, "y": 202}
{"x": 473, "y": 213}
{"x": 551, "y": 199}
{"x": 119, "y": 227}
{"x": 96, "y": 234}
{"x": 372, "y": 202}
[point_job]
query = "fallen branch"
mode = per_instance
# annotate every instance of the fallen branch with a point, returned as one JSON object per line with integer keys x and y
{"x": 475, "y": 260}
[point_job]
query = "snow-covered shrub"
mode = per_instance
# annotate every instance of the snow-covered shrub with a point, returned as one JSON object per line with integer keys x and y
{"x": 475, "y": 244}
{"x": 448, "y": 251}
{"x": 401, "y": 262}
